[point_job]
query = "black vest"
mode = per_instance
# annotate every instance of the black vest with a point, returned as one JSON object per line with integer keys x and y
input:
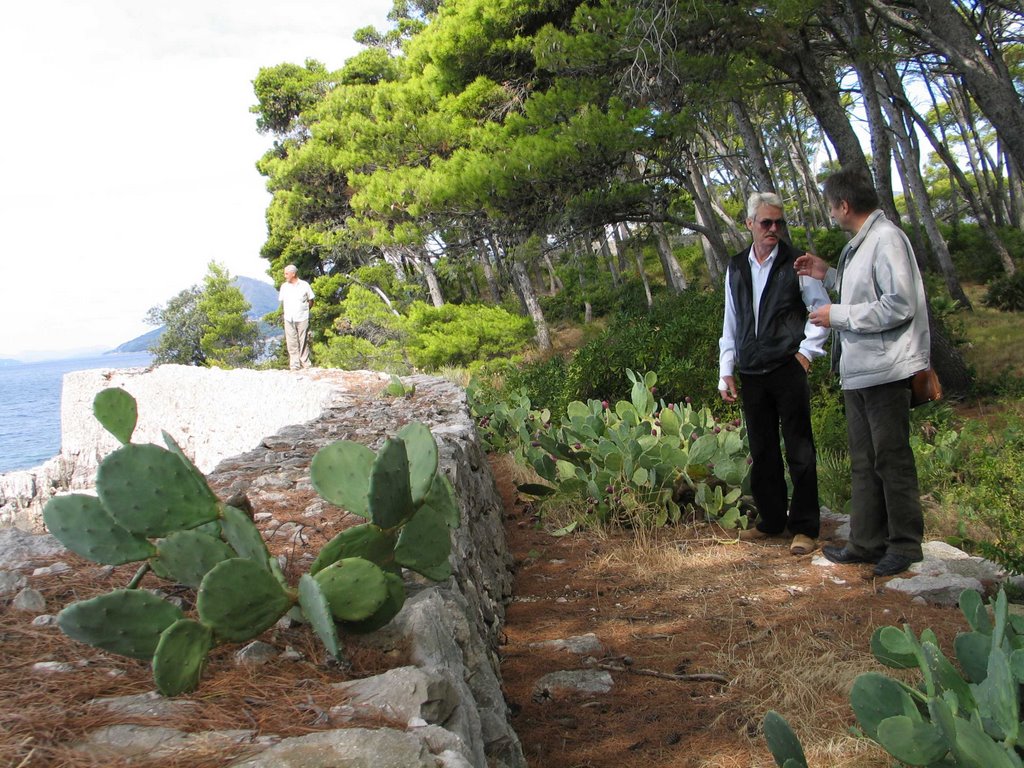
{"x": 782, "y": 313}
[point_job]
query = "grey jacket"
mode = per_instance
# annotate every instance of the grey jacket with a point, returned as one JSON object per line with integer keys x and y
{"x": 882, "y": 314}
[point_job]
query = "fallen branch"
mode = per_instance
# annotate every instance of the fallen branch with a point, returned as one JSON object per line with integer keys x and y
{"x": 709, "y": 677}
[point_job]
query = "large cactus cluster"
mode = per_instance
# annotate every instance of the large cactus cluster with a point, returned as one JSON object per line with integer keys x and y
{"x": 635, "y": 454}
{"x": 154, "y": 505}
{"x": 966, "y": 715}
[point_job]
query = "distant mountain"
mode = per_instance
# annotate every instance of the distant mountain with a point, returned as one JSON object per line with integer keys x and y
{"x": 262, "y": 298}
{"x": 260, "y": 295}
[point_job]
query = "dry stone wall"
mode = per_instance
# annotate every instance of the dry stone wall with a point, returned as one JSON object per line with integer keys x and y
{"x": 456, "y": 713}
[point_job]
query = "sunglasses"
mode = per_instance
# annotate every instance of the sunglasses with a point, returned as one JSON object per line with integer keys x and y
{"x": 767, "y": 223}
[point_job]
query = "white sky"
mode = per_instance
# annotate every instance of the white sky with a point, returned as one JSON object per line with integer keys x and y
{"x": 129, "y": 153}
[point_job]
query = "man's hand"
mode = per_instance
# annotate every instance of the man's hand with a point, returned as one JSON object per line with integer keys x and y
{"x": 804, "y": 362}
{"x": 811, "y": 265}
{"x": 820, "y": 316}
{"x": 729, "y": 394}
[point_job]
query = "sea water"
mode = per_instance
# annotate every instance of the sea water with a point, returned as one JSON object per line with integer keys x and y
{"x": 30, "y": 405}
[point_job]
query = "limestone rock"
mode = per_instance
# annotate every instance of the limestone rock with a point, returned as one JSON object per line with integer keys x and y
{"x": 400, "y": 694}
{"x": 570, "y": 684}
{"x": 349, "y": 747}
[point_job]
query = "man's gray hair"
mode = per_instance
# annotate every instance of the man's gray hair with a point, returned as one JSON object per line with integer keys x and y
{"x": 757, "y": 199}
{"x": 291, "y": 268}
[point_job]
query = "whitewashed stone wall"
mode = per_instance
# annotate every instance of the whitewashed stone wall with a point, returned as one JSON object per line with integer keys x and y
{"x": 212, "y": 414}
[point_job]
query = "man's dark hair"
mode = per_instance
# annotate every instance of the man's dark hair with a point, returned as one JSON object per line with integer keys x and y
{"x": 855, "y": 187}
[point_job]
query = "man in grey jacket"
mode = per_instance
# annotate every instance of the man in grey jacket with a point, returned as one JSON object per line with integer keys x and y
{"x": 881, "y": 321}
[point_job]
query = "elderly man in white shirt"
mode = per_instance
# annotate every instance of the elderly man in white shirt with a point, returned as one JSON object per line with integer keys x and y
{"x": 296, "y": 298}
{"x": 768, "y": 341}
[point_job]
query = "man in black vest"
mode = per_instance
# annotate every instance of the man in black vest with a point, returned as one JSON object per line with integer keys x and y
{"x": 768, "y": 341}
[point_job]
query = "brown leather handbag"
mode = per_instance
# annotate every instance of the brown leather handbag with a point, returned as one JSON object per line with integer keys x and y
{"x": 925, "y": 387}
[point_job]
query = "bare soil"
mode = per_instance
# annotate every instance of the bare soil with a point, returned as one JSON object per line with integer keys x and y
{"x": 702, "y": 636}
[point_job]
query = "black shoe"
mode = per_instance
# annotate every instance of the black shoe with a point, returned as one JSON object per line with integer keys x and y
{"x": 843, "y": 556}
{"x": 891, "y": 564}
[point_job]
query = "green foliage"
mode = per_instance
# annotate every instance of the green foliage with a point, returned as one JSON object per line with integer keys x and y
{"x": 398, "y": 388}
{"x": 461, "y": 334}
{"x": 544, "y": 381}
{"x": 834, "y": 484}
{"x": 286, "y": 91}
{"x": 678, "y": 340}
{"x": 230, "y": 339}
{"x": 973, "y": 256}
{"x": 207, "y": 326}
{"x": 366, "y": 334}
{"x": 183, "y": 321}
{"x": 990, "y": 491}
{"x": 1007, "y": 293}
{"x": 968, "y": 717}
{"x": 828, "y": 415}
{"x": 828, "y": 244}
{"x": 637, "y": 461}
{"x": 181, "y": 531}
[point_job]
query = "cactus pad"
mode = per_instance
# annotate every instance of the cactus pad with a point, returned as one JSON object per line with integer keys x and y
{"x": 340, "y": 473}
{"x": 243, "y": 535}
{"x": 187, "y": 556}
{"x": 425, "y": 543}
{"x": 388, "y": 610}
{"x": 390, "y": 495}
{"x": 81, "y": 524}
{"x": 875, "y": 697}
{"x": 149, "y": 491}
{"x": 893, "y": 648}
{"x": 442, "y": 498}
{"x": 239, "y": 599}
{"x": 125, "y": 621}
{"x": 117, "y": 411}
{"x": 422, "y": 453}
{"x": 180, "y": 657}
{"x": 355, "y": 588}
{"x": 193, "y": 470}
{"x": 782, "y": 742}
{"x": 367, "y": 541}
{"x": 317, "y": 612}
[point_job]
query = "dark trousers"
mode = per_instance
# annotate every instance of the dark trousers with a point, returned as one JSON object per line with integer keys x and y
{"x": 782, "y": 399}
{"x": 885, "y": 504}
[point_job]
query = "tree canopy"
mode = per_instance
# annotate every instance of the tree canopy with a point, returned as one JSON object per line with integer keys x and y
{"x": 505, "y": 135}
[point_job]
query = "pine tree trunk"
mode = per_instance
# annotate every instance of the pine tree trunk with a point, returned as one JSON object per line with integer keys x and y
{"x": 533, "y": 308}
{"x": 675, "y": 278}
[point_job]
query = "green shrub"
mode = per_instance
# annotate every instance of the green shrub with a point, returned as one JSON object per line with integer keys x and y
{"x": 461, "y": 334}
{"x": 1006, "y": 293}
{"x": 543, "y": 382}
{"x": 834, "y": 479}
{"x": 973, "y": 256}
{"x": 678, "y": 340}
{"x": 365, "y": 334}
{"x": 992, "y": 493}
{"x": 828, "y": 244}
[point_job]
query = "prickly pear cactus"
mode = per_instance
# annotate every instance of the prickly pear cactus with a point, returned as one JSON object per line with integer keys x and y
{"x": 117, "y": 411}
{"x": 782, "y": 742}
{"x": 126, "y": 621}
{"x": 945, "y": 720}
{"x": 154, "y": 505}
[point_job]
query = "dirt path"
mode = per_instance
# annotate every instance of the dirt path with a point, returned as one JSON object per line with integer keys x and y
{"x": 785, "y": 634}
